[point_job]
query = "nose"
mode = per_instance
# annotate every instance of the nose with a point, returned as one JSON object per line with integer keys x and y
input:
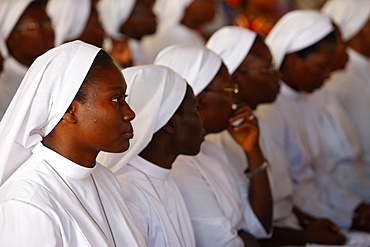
{"x": 128, "y": 113}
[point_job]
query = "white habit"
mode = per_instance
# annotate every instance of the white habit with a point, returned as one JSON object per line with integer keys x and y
{"x": 218, "y": 204}
{"x": 62, "y": 220}
{"x": 156, "y": 204}
{"x": 292, "y": 138}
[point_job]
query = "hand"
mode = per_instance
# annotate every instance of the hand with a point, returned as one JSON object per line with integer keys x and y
{"x": 247, "y": 132}
{"x": 120, "y": 52}
{"x": 323, "y": 231}
{"x": 361, "y": 220}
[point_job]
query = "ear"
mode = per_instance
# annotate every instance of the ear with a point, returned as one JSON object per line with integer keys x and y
{"x": 171, "y": 126}
{"x": 70, "y": 115}
{"x": 201, "y": 101}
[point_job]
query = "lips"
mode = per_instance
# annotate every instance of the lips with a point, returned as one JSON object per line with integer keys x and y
{"x": 129, "y": 134}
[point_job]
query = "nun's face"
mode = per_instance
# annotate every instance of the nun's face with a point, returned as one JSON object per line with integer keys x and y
{"x": 215, "y": 102}
{"x": 104, "y": 120}
{"x": 142, "y": 20}
{"x": 201, "y": 11}
{"x": 341, "y": 56}
{"x": 256, "y": 76}
{"x": 314, "y": 69}
{"x": 93, "y": 33}
{"x": 32, "y": 35}
{"x": 190, "y": 132}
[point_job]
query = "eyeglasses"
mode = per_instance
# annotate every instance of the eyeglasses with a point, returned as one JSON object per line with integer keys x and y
{"x": 34, "y": 26}
{"x": 234, "y": 89}
{"x": 266, "y": 71}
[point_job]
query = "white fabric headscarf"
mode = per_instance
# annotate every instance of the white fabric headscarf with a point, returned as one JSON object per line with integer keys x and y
{"x": 10, "y": 12}
{"x": 154, "y": 93}
{"x": 170, "y": 12}
{"x": 232, "y": 44}
{"x": 114, "y": 13}
{"x": 350, "y": 16}
{"x": 43, "y": 97}
{"x": 295, "y": 31}
{"x": 196, "y": 64}
{"x": 69, "y": 18}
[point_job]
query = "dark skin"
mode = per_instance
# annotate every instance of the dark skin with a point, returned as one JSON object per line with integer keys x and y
{"x": 198, "y": 13}
{"x": 39, "y": 40}
{"x": 341, "y": 56}
{"x": 141, "y": 21}
{"x": 258, "y": 81}
{"x": 93, "y": 33}
{"x": 360, "y": 42}
{"x": 101, "y": 123}
{"x": 310, "y": 73}
{"x": 182, "y": 134}
{"x": 259, "y": 87}
{"x": 211, "y": 103}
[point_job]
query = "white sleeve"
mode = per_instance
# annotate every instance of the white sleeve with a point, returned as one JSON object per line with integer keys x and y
{"x": 23, "y": 224}
{"x": 211, "y": 226}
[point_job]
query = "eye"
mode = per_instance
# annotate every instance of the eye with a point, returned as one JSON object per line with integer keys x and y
{"x": 117, "y": 99}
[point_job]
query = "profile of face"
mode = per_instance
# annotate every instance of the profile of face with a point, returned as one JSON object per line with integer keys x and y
{"x": 306, "y": 74}
{"x": 341, "y": 57}
{"x": 214, "y": 102}
{"x": 33, "y": 26}
{"x": 142, "y": 20}
{"x": 93, "y": 33}
{"x": 257, "y": 77}
{"x": 201, "y": 11}
{"x": 104, "y": 117}
{"x": 189, "y": 132}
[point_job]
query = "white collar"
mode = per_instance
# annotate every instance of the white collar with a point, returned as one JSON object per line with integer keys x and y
{"x": 62, "y": 165}
{"x": 149, "y": 168}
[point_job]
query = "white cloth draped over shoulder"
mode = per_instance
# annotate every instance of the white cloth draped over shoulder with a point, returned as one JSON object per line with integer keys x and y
{"x": 154, "y": 93}
{"x": 218, "y": 223}
{"x": 69, "y": 18}
{"x": 351, "y": 16}
{"x": 36, "y": 196}
{"x": 169, "y": 30}
{"x": 196, "y": 64}
{"x": 218, "y": 204}
{"x": 232, "y": 44}
{"x": 13, "y": 73}
{"x": 38, "y": 105}
{"x": 308, "y": 145}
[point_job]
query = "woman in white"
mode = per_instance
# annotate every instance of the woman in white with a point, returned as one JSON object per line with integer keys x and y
{"x": 167, "y": 124}
{"x": 68, "y": 108}
{"x": 19, "y": 21}
{"x": 302, "y": 131}
{"x": 351, "y": 85}
{"x": 223, "y": 209}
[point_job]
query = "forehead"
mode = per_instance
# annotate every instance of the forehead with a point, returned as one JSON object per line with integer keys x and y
{"x": 107, "y": 77}
{"x": 34, "y": 11}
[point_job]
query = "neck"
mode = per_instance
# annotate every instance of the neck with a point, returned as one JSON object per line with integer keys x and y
{"x": 71, "y": 152}
{"x": 159, "y": 154}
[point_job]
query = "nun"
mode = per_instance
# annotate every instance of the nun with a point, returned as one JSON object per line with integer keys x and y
{"x": 19, "y": 21}
{"x": 167, "y": 125}
{"x": 127, "y": 21}
{"x": 76, "y": 20}
{"x": 253, "y": 69}
{"x": 235, "y": 214}
{"x": 351, "y": 85}
{"x": 179, "y": 22}
{"x": 317, "y": 144}
{"x": 69, "y": 107}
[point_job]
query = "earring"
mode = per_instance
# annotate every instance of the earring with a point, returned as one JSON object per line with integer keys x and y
{"x": 234, "y": 106}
